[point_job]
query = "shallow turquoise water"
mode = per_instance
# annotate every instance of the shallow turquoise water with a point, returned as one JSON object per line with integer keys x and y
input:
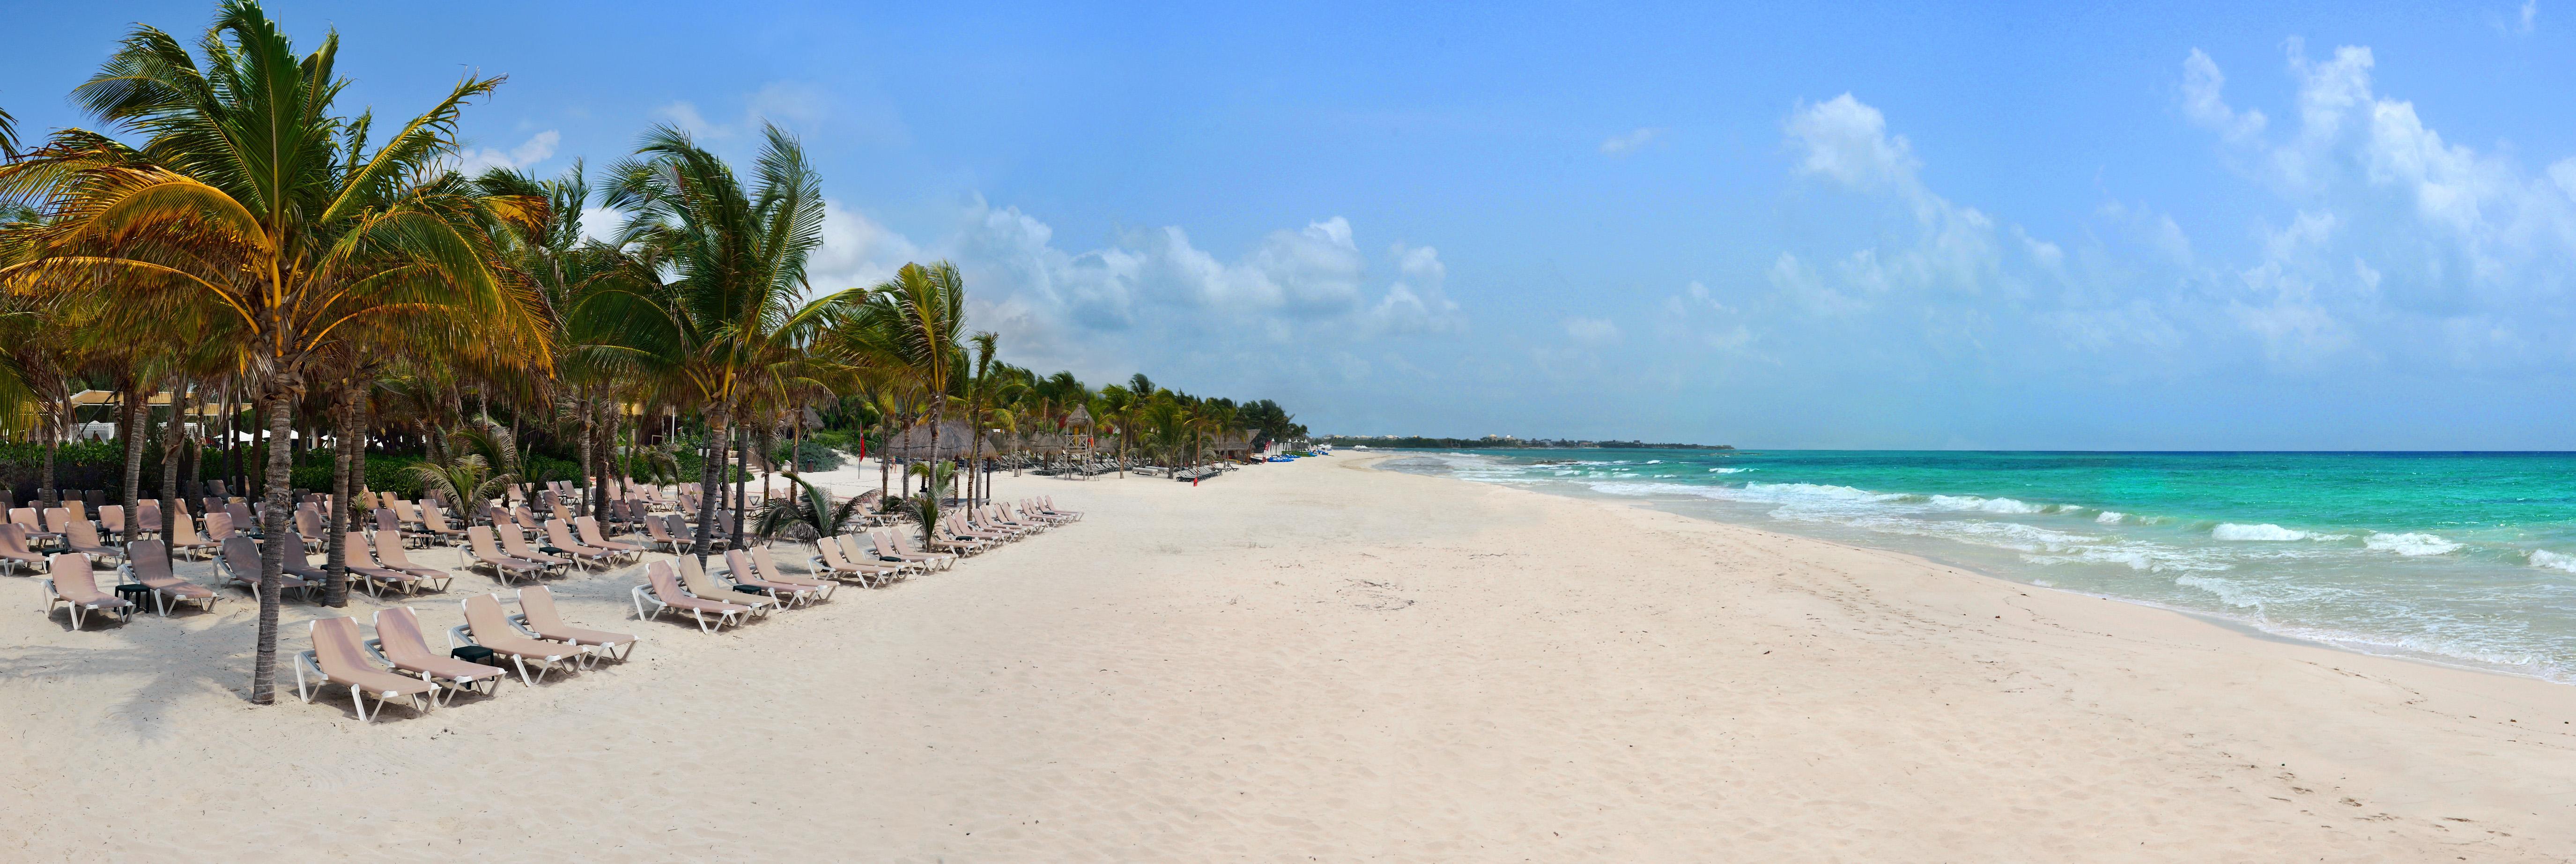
{"x": 2467, "y": 558}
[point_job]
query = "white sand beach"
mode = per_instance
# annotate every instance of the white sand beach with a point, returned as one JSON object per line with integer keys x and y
{"x": 1314, "y": 662}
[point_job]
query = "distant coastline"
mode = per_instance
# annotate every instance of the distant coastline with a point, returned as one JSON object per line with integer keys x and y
{"x": 1498, "y": 442}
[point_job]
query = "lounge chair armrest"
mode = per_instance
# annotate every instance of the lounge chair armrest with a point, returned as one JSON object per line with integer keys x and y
{"x": 376, "y": 649}
{"x": 457, "y": 637}
{"x": 519, "y": 622}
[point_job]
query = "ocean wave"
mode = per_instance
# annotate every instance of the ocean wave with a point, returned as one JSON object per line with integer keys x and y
{"x": 2553, "y": 560}
{"x": 1728, "y": 470}
{"x": 2110, "y": 517}
{"x": 2268, "y": 532}
{"x": 2227, "y": 592}
{"x": 1986, "y": 505}
{"x": 2409, "y": 545}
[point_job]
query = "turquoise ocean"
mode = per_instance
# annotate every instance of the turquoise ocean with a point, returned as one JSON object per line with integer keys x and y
{"x": 2460, "y": 558}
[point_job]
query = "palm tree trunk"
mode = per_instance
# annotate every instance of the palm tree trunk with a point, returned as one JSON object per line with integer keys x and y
{"x": 336, "y": 560}
{"x": 710, "y": 486}
{"x": 581, "y": 477}
{"x": 741, "y": 478}
{"x": 173, "y": 436}
{"x": 137, "y": 409}
{"x": 272, "y": 555}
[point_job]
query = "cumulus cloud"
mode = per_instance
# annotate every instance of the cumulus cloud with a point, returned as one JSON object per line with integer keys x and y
{"x": 1155, "y": 294}
{"x": 2463, "y": 246}
{"x": 1629, "y": 142}
{"x": 538, "y": 148}
{"x": 1592, "y": 331}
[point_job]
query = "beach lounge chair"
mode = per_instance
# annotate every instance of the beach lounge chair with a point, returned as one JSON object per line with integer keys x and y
{"x": 362, "y": 566}
{"x": 184, "y": 540}
{"x": 560, "y": 536}
{"x": 659, "y": 533}
{"x": 111, "y": 522}
{"x": 244, "y": 520}
{"x": 887, "y": 551}
{"x": 239, "y": 565}
{"x": 528, "y": 521}
{"x": 390, "y": 556}
{"x": 311, "y": 530}
{"x": 488, "y": 625}
{"x": 537, "y": 615}
{"x": 38, "y": 538}
{"x": 740, "y": 571}
{"x": 694, "y": 579}
{"x": 442, "y": 530}
{"x": 219, "y": 525}
{"x": 69, "y": 583}
{"x": 768, "y": 568}
{"x": 150, "y": 566}
{"x": 587, "y": 529}
{"x": 831, "y": 558}
{"x": 388, "y": 525}
{"x": 902, "y": 540}
{"x": 79, "y": 537}
{"x": 15, "y": 551}
{"x": 946, "y": 539}
{"x": 338, "y": 658}
{"x": 479, "y": 543}
{"x": 516, "y": 546}
{"x": 147, "y": 521}
{"x": 1048, "y": 503}
{"x": 399, "y": 643}
{"x": 661, "y": 592}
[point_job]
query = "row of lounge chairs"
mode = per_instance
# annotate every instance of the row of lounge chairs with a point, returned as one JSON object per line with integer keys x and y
{"x": 398, "y": 663}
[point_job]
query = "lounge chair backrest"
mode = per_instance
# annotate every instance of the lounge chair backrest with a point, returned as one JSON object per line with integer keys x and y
{"x": 558, "y": 535}
{"x": 695, "y": 577}
{"x": 356, "y": 541}
{"x": 561, "y": 512}
{"x": 308, "y": 522}
{"x": 219, "y": 525}
{"x": 539, "y": 605}
{"x": 588, "y": 529}
{"x": 435, "y": 519}
{"x": 740, "y": 566}
{"x": 112, "y": 517}
{"x": 762, "y": 564}
{"x": 56, "y": 518}
{"x": 25, "y": 516}
{"x": 81, "y": 533}
{"x": 389, "y": 552}
{"x": 151, "y": 561}
{"x": 527, "y": 518}
{"x": 74, "y": 508}
{"x": 885, "y": 547}
{"x": 147, "y": 516}
{"x": 665, "y": 585}
{"x": 240, "y": 553}
{"x": 386, "y": 500}
{"x": 385, "y": 522}
{"x": 831, "y": 549}
{"x": 485, "y": 618}
{"x": 337, "y": 649}
{"x": 242, "y": 515}
{"x": 481, "y": 539}
{"x": 408, "y": 511}
{"x": 218, "y": 487}
{"x": 72, "y": 577}
{"x": 184, "y": 532}
{"x": 399, "y": 636}
{"x": 13, "y": 540}
{"x": 517, "y": 545}
{"x": 653, "y": 528}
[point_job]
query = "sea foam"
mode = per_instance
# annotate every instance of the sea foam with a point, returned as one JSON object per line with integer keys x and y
{"x": 2409, "y": 544}
{"x": 2553, "y": 560}
{"x": 2110, "y": 517}
{"x": 2268, "y": 532}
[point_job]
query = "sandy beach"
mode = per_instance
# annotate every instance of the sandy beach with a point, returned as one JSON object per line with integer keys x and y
{"x": 1315, "y": 661}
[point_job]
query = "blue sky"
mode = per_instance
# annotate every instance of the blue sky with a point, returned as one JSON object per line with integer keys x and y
{"x": 2300, "y": 226}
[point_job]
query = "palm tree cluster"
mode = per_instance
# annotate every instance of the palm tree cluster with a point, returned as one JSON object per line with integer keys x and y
{"x": 231, "y": 236}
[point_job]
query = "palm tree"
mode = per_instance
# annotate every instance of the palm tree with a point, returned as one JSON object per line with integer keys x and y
{"x": 728, "y": 316}
{"x": 249, "y": 197}
{"x": 909, "y": 323}
{"x": 808, "y": 510}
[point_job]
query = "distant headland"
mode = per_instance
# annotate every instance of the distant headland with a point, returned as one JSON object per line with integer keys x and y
{"x": 1503, "y": 442}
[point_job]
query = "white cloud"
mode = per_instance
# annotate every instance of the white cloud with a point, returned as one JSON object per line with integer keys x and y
{"x": 1629, "y": 142}
{"x": 1848, "y": 141}
{"x": 537, "y": 148}
{"x": 1154, "y": 293}
{"x": 1592, "y": 331}
{"x": 2204, "y": 102}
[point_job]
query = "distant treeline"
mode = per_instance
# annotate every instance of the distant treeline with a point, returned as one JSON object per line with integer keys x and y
{"x": 1419, "y": 442}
